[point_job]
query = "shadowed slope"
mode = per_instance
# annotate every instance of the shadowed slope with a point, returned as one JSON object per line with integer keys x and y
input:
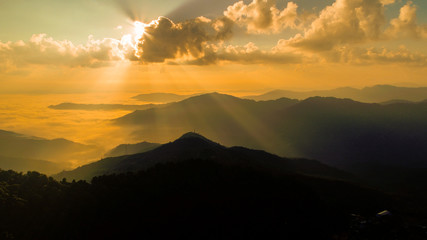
{"x": 129, "y": 149}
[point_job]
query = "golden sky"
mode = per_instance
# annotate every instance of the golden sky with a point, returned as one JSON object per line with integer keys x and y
{"x": 106, "y": 51}
{"x": 58, "y": 46}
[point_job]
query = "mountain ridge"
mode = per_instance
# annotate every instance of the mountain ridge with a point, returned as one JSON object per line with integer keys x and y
{"x": 377, "y": 94}
{"x": 195, "y": 146}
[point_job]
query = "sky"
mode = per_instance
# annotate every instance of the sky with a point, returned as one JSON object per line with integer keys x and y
{"x": 113, "y": 46}
{"x": 106, "y": 51}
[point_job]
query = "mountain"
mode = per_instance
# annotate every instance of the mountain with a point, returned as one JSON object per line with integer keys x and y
{"x": 224, "y": 118}
{"x": 99, "y": 107}
{"x": 194, "y": 146}
{"x": 337, "y": 132}
{"x": 129, "y": 149}
{"x": 375, "y": 94}
{"x": 161, "y": 97}
{"x": 395, "y": 101}
{"x": 24, "y": 165}
{"x": 14, "y": 145}
{"x": 343, "y": 132}
{"x": 201, "y": 199}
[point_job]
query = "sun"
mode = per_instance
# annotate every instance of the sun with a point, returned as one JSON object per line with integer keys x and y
{"x": 139, "y": 29}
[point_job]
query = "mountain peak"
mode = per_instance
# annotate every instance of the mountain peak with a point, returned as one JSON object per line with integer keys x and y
{"x": 193, "y": 135}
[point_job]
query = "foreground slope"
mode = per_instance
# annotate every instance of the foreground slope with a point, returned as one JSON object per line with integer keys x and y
{"x": 198, "y": 199}
{"x": 194, "y": 146}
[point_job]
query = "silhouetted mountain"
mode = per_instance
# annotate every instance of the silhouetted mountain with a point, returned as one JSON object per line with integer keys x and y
{"x": 129, "y": 149}
{"x": 342, "y": 132}
{"x": 338, "y": 132}
{"x": 194, "y": 146}
{"x": 56, "y": 150}
{"x": 161, "y": 97}
{"x": 200, "y": 199}
{"x": 375, "y": 94}
{"x": 97, "y": 107}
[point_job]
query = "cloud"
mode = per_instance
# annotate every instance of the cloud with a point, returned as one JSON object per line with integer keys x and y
{"x": 387, "y": 2}
{"x": 44, "y": 50}
{"x": 263, "y": 16}
{"x": 369, "y": 56}
{"x": 406, "y": 24}
{"x": 164, "y": 39}
{"x": 344, "y": 22}
{"x": 334, "y": 35}
{"x": 247, "y": 54}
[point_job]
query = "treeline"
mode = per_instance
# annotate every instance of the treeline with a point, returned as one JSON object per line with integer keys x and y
{"x": 195, "y": 200}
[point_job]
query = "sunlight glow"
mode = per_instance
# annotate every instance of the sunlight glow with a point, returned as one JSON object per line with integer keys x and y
{"x": 139, "y": 29}
{"x": 130, "y": 41}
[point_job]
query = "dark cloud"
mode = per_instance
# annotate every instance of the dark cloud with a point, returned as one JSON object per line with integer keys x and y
{"x": 164, "y": 39}
{"x": 248, "y": 54}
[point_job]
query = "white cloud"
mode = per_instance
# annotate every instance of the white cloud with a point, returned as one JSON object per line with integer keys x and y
{"x": 263, "y": 16}
{"x": 371, "y": 55}
{"x": 344, "y": 22}
{"x": 44, "y": 50}
{"x": 406, "y": 24}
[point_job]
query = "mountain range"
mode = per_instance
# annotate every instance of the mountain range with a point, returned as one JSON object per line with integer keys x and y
{"x": 25, "y": 153}
{"x": 192, "y": 146}
{"x": 375, "y": 94}
{"x": 338, "y": 132}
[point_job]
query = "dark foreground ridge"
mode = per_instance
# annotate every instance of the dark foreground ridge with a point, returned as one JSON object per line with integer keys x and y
{"x": 197, "y": 199}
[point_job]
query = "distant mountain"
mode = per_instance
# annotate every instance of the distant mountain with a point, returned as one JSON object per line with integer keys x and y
{"x": 375, "y": 94}
{"x": 338, "y": 132}
{"x": 161, "y": 97}
{"x": 59, "y": 150}
{"x": 224, "y": 118}
{"x": 98, "y": 107}
{"x": 129, "y": 149}
{"x": 396, "y": 101}
{"x": 343, "y": 132}
{"x": 24, "y": 165}
{"x": 194, "y": 146}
